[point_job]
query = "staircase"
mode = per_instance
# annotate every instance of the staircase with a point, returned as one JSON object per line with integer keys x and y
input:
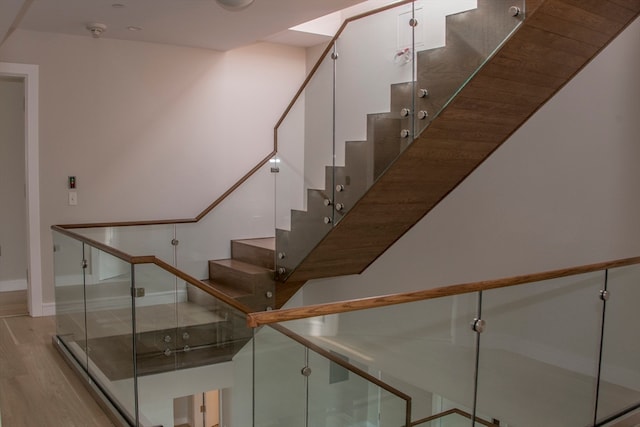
{"x": 248, "y": 276}
{"x": 385, "y": 197}
{"x": 469, "y": 39}
{"x": 556, "y": 40}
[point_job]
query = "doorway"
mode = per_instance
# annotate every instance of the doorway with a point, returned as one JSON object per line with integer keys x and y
{"x": 27, "y": 75}
{"x": 13, "y": 210}
{"x": 198, "y": 410}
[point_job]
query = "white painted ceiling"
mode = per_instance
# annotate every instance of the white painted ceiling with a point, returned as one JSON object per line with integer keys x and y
{"x": 194, "y": 23}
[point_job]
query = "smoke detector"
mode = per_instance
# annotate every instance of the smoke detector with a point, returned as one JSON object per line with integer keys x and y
{"x": 96, "y": 29}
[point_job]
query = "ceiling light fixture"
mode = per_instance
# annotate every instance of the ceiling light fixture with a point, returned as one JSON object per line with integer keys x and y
{"x": 235, "y": 5}
{"x": 134, "y": 28}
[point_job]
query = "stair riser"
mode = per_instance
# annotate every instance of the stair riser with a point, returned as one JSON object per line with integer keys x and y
{"x": 253, "y": 254}
{"x": 252, "y": 283}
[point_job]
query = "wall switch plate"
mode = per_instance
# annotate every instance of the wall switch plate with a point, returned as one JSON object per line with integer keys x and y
{"x": 73, "y": 198}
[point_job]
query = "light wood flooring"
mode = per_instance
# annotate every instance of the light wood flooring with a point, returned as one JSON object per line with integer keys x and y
{"x": 37, "y": 388}
{"x": 13, "y": 303}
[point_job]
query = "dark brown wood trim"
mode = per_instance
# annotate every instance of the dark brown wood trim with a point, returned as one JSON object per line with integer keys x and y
{"x": 127, "y": 223}
{"x": 283, "y": 315}
{"x": 327, "y": 354}
{"x": 201, "y": 215}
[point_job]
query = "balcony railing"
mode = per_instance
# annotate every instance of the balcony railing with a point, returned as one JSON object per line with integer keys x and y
{"x": 556, "y": 348}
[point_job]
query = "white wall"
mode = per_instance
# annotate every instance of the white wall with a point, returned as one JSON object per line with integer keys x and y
{"x": 151, "y": 131}
{"x": 560, "y": 192}
{"x": 13, "y": 233}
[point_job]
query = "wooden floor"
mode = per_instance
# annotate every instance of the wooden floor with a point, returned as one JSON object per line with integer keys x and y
{"x": 37, "y": 388}
{"x": 13, "y": 303}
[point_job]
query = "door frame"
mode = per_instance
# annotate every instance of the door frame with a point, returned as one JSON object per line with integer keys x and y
{"x": 30, "y": 73}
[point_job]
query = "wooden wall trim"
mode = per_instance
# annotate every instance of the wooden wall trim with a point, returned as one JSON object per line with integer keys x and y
{"x": 284, "y": 315}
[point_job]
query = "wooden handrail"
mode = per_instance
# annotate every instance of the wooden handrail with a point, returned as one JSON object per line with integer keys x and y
{"x": 262, "y": 162}
{"x": 151, "y": 259}
{"x": 201, "y": 215}
{"x": 283, "y": 315}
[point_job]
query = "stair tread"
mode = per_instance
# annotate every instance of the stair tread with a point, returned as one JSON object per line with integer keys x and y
{"x": 231, "y": 291}
{"x": 262, "y": 242}
{"x": 241, "y": 266}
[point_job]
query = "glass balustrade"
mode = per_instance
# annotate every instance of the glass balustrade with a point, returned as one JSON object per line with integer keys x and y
{"x": 377, "y": 86}
{"x": 186, "y": 341}
{"x": 560, "y": 352}
{"x": 539, "y": 352}
{"x": 423, "y": 349}
{"x": 295, "y": 385}
{"x": 146, "y": 337}
{"x": 380, "y": 83}
{"x": 70, "y": 295}
{"x": 619, "y": 387}
{"x": 93, "y": 317}
{"x": 557, "y": 352}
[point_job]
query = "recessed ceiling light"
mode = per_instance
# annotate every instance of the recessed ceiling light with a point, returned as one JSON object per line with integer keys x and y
{"x": 118, "y": 5}
{"x": 134, "y": 28}
{"x": 235, "y": 5}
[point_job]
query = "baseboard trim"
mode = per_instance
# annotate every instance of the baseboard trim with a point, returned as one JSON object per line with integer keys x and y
{"x": 49, "y": 309}
{"x": 13, "y": 285}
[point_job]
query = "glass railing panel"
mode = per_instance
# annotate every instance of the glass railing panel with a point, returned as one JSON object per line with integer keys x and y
{"x": 539, "y": 352}
{"x": 423, "y": 53}
{"x": 374, "y": 109}
{"x": 70, "y": 298}
{"x": 459, "y": 38}
{"x": 423, "y": 349}
{"x": 280, "y": 387}
{"x": 341, "y": 398}
{"x": 136, "y": 240}
{"x": 620, "y": 372}
{"x": 304, "y": 160}
{"x": 157, "y": 294}
{"x": 187, "y": 342}
{"x": 110, "y": 328}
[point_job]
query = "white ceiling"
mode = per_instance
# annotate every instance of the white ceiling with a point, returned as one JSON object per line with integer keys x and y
{"x": 194, "y": 23}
